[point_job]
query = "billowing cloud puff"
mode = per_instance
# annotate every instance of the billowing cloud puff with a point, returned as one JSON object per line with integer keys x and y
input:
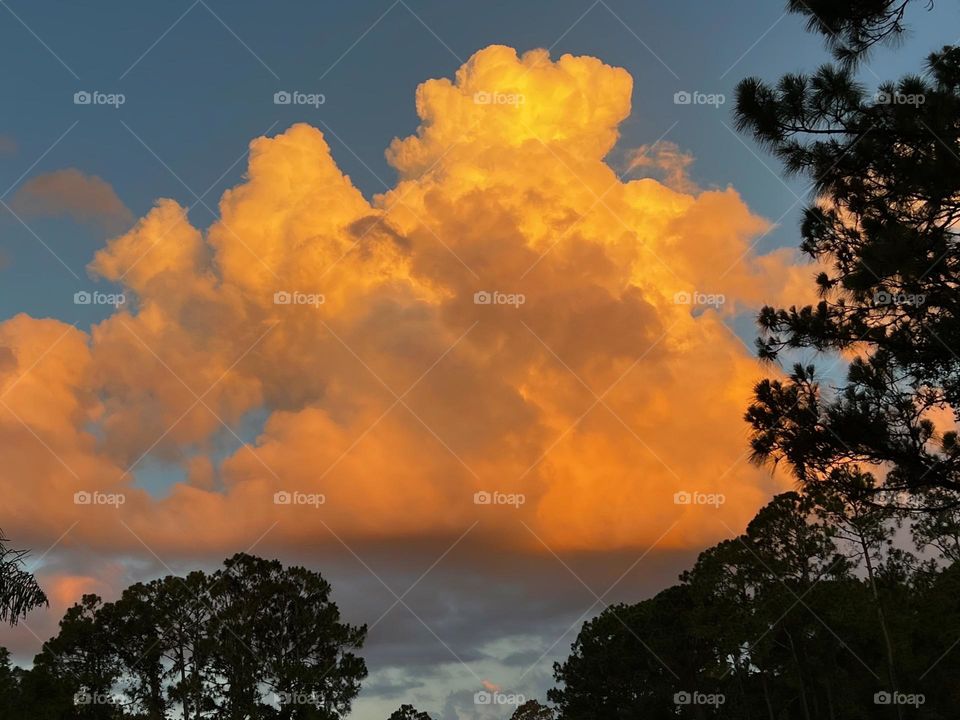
{"x": 69, "y": 192}
{"x": 664, "y": 159}
{"x": 512, "y": 336}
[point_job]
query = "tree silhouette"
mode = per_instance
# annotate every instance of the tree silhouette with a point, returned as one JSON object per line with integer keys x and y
{"x": 810, "y": 614}
{"x": 886, "y": 170}
{"x": 780, "y": 623}
{"x": 408, "y": 712}
{"x": 533, "y": 710}
{"x": 19, "y": 591}
{"x": 852, "y": 28}
{"x": 254, "y": 639}
{"x": 940, "y": 530}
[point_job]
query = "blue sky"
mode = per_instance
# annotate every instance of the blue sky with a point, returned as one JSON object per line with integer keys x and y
{"x": 199, "y": 79}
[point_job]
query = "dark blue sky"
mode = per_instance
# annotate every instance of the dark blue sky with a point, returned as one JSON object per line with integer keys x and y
{"x": 199, "y": 79}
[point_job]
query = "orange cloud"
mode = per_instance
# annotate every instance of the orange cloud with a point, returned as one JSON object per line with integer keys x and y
{"x": 69, "y": 192}
{"x": 664, "y": 159}
{"x": 63, "y": 590}
{"x": 511, "y": 335}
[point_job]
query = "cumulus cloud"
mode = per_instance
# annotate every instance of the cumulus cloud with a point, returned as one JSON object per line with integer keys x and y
{"x": 511, "y": 336}
{"x": 666, "y": 160}
{"x": 71, "y": 193}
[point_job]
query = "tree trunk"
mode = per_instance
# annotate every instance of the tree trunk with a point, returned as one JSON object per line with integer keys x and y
{"x": 766, "y": 694}
{"x": 829, "y": 687}
{"x": 183, "y": 681}
{"x": 803, "y": 686}
{"x": 880, "y": 615}
{"x": 743, "y": 694}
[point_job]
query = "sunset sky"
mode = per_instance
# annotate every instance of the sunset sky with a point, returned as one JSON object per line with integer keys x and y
{"x": 501, "y": 260}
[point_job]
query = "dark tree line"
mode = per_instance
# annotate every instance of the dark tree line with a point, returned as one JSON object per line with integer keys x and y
{"x": 251, "y": 640}
{"x": 813, "y": 613}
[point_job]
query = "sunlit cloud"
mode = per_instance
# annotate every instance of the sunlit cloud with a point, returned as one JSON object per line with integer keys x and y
{"x": 512, "y": 336}
{"x": 664, "y": 160}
